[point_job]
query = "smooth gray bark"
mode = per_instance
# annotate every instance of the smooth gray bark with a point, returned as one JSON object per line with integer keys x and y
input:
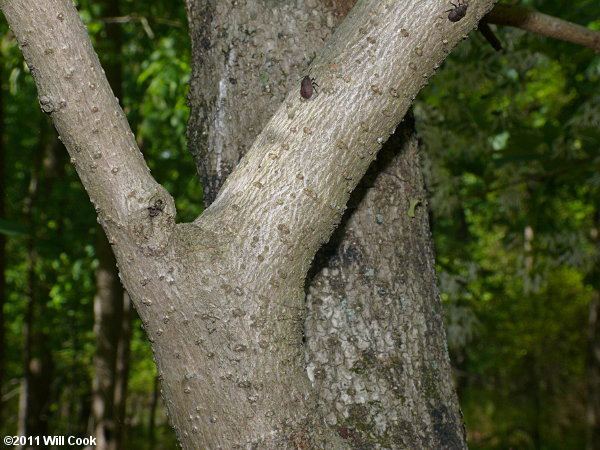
{"x": 222, "y": 298}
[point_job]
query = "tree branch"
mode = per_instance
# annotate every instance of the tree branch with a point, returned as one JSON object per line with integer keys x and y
{"x": 139, "y": 18}
{"x": 519, "y": 17}
{"x": 313, "y": 152}
{"x": 144, "y": 21}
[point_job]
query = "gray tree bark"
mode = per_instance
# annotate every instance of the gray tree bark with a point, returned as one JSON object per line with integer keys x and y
{"x": 222, "y": 298}
{"x": 245, "y": 58}
{"x": 375, "y": 279}
{"x": 375, "y": 332}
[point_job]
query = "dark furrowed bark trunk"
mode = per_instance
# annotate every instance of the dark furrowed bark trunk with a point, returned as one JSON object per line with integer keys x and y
{"x": 375, "y": 332}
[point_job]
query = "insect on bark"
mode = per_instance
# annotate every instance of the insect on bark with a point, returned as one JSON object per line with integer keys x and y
{"x": 458, "y": 12}
{"x": 308, "y": 86}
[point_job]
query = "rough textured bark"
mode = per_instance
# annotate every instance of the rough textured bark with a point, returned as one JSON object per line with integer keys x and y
{"x": 375, "y": 331}
{"x": 246, "y": 56}
{"x": 376, "y": 272}
{"x": 222, "y": 298}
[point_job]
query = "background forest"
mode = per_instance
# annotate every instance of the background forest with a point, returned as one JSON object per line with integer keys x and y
{"x": 510, "y": 151}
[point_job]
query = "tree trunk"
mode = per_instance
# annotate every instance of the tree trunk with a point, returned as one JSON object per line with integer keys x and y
{"x": 375, "y": 330}
{"x": 222, "y": 298}
{"x": 379, "y": 264}
{"x": 108, "y": 318}
{"x": 593, "y": 370}
{"x": 122, "y": 371}
{"x": 111, "y": 315}
{"x": 152, "y": 417}
{"x": 34, "y": 398}
{"x": 245, "y": 59}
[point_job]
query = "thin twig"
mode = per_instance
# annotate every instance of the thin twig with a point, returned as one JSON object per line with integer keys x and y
{"x": 543, "y": 24}
{"x": 143, "y": 20}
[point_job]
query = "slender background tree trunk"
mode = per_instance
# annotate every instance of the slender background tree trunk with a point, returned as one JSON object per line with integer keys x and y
{"x": 122, "y": 370}
{"x": 35, "y": 394}
{"x": 152, "y": 416}
{"x": 108, "y": 327}
{"x": 111, "y": 308}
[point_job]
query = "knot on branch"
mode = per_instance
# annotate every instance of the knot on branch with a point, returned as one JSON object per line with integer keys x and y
{"x": 49, "y": 104}
{"x": 152, "y": 220}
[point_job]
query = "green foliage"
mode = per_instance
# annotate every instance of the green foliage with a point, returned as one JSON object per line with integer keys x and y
{"x": 523, "y": 364}
{"x": 165, "y": 78}
{"x": 511, "y": 159}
